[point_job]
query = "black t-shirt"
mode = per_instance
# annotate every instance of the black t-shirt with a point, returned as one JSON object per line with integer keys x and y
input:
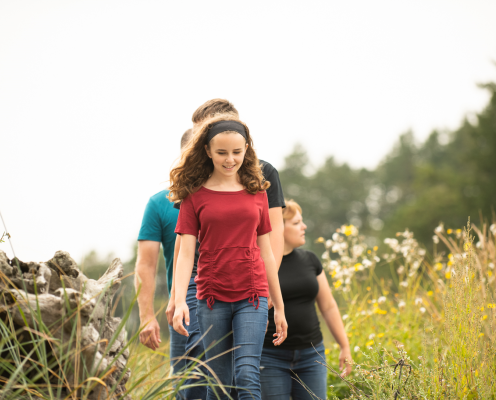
{"x": 299, "y": 287}
{"x": 274, "y": 195}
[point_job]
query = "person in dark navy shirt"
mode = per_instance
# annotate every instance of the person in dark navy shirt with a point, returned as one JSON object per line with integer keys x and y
{"x": 303, "y": 282}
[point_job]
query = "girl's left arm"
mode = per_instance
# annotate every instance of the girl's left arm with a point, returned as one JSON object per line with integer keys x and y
{"x": 263, "y": 242}
{"x": 330, "y": 311}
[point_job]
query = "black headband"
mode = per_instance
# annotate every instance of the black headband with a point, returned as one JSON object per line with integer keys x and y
{"x": 226, "y": 126}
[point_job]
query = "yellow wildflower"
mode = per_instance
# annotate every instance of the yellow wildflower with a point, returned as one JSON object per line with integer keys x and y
{"x": 481, "y": 334}
{"x": 368, "y": 288}
{"x": 448, "y": 275}
{"x": 430, "y": 293}
{"x": 450, "y": 263}
{"x": 333, "y": 274}
{"x": 466, "y": 246}
{"x": 491, "y": 305}
{"x": 438, "y": 266}
{"x": 380, "y": 335}
{"x": 369, "y": 251}
{"x": 449, "y": 231}
{"x": 458, "y": 231}
{"x": 484, "y": 317}
{"x": 327, "y": 351}
{"x": 394, "y": 310}
{"x": 385, "y": 293}
{"x": 320, "y": 240}
{"x": 357, "y": 266}
{"x": 489, "y": 273}
{"x": 376, "y": 248}
{"x": 337, "y": 284}
{"x": 348, "y": 230}
{"x": 369, "y": 343}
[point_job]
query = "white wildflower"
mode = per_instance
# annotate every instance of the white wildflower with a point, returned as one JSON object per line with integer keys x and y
{"x": 366, "y": 263}
{"x": 356, "y": 349}
{"x": 325, "y": 255}
{"x": 492, "y": 228}
{"x": 404, "y": 284}
{"x": 371, "y": 336}
{"x": 421, "y": 252}
{"x": 329, "y": 243}
{"x": 381, "y": 299}
{"x": 490, "y": 265}
{"x": 479, "y": 245}
{"x": 377, "y": 259}
{"x": 345, "y": 316}
{"x": 435, "y": 239}
{"x": 440, "y": 228}
{"x": 422, "y": 309}
{"x": 401, "y": 304}
{"x": 418, "y": 301}
{"x": 335, "y": 236}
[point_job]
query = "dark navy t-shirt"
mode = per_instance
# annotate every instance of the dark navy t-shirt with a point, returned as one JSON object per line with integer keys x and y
{"x": 299, "y": 287}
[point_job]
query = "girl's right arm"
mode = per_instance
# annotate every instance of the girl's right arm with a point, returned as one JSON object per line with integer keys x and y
{"x": 185, "y": 261}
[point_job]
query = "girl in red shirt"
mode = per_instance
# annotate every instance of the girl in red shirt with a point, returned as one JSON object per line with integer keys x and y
{"x": 223, "y": 203}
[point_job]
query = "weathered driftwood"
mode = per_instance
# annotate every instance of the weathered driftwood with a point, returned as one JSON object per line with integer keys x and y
{"x": 62, "y": 294}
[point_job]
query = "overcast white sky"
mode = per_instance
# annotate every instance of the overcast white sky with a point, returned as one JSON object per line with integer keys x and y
{"x": 94, "y": 95}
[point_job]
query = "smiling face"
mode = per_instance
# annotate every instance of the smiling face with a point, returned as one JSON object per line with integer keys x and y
{"x": 227, "y": 151}
{"x": 294, "y": 231}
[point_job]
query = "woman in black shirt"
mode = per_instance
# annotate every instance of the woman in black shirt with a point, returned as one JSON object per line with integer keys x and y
{"x": 303, "y": 282}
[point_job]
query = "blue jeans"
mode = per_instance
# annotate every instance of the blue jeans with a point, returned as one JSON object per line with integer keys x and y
{"x": 177, "y": 343}
{"x": 248, "y": 327}
{"x": 279, "y": 367}
{"x": 194, "y": 345}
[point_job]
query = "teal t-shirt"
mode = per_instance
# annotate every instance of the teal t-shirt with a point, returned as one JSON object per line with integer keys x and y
{"x": 159, "y": 222}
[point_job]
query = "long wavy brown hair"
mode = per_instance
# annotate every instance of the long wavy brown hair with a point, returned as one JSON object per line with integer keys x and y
{"x": 195, "y": 166}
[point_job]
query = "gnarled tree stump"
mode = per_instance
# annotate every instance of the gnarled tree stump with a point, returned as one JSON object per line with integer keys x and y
{"x": 59, "y": 294}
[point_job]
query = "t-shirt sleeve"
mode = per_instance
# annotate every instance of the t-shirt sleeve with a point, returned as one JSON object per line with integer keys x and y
{"x": 187, "y": 222}
{"x": 264, "y": 225}
{"x": 151, "y": 227}
{"x": 316, "y": 263}
{"x": 274, "y": 192}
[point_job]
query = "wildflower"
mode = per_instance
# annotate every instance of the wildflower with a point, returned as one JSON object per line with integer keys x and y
{"x": 430, "y": 293}
{"x": 492, "y": 228}
{"x": 404, "y": 284}
{"x": 422, "y": 309}
{"x": 327, "y": 351}
{"x": 484, "y": 317}
{"x": 447, "y": 275}
{"x": 440, "y": 228}
{"x": 325, "y": 255}
{"x": 438, "y": 266}
{"x": 458, "y": 233}
{"x": 381, "y": 299}
{"x": 368, "y": 288}
{"x": 377, "y": 259}
{"x": 337, "y": 284}
{"x": 385, "y": 293}
{"x": 400, "y": 269}
{"x": 356, "y": 349}
{"x": 435, "y": 239}
{"x": 449, "y": 231}
{"x": 491, "y": 305}
{"x": 380, "y": 335}
{"x": 376, "y": 248}
{"x": 489, "y": 273}
{"x": 369, "y": 343}
{"x": 349, "y": 230}
{"x": 320, "y": 240}
{"x": 345, "y": 316}
{"x": 467, "y": 246}
{"x": 358, "y": 267}
{"x": 418, "y": 301}
{"x": 481, "y": 334}
{"x": 366, "y": 263}
{"x": 401, "y": 304}
{"x": 479, "y": 245}
{"x": 490, "y": 265}
{"x": 371, "y": 336}
{"x": 329, "y": 243}
{"x": 394, "y": 310}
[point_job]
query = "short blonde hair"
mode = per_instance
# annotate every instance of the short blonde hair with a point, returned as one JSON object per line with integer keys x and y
{"x": 290, "y": 210}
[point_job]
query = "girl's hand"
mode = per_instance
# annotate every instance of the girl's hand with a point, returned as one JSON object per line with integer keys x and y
{"x": 281, "y": 327}
{"x": 345, "y": 361}
{"x": 181, "y": 313}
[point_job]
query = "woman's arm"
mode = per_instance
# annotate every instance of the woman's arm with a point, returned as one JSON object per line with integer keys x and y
{"x": 263, "y": 242}
{"x": 330, "y": 311}
{"x": 185, "y": 261}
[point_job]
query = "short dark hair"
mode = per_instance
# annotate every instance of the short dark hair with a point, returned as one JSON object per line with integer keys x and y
{"x": 186, "y": 137}
{"x": 212, "y": 107}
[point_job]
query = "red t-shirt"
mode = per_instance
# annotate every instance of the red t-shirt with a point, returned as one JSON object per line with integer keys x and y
{"x": 227, "y": 225}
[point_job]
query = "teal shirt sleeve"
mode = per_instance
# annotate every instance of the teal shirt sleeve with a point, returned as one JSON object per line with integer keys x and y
{"x": 151, "y": 227}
